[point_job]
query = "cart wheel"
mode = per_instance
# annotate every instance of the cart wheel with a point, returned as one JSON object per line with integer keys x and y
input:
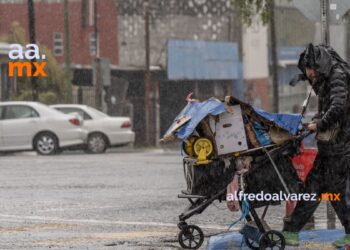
{"x": 191, "y": 237}
{"x": 272, "y": 240}
{"x": 187, "y": 145}
{"x": 203, "y": 143}
{"x": 251, "y": 243}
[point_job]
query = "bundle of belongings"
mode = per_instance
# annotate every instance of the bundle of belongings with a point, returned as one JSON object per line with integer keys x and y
{"x": 213, "y": 128}
{"x": 230, "y": 138}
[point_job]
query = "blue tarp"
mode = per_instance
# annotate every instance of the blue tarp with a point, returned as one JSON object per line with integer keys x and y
{"x": 199, "y": 110}
{"x": 289, "y": 122}
{"x": 261, "y": 134}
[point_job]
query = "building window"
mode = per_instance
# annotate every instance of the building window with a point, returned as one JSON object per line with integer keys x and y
{"x": 93, "y": 44}
{"x": 58, "y": 43}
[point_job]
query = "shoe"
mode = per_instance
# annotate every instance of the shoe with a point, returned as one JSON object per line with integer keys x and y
{"x": 345, "y": 240}
{"x": 292, "y": 238}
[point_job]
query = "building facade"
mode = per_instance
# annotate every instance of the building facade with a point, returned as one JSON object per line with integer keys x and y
{"x": 193, "y": 20}
{"x": 85, "y": 17}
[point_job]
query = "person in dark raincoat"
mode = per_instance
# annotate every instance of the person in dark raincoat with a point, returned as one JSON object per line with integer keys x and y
{"x": 329, "y": 76}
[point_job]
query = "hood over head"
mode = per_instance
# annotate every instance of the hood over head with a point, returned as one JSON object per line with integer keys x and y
{"x": 321, "y": 58}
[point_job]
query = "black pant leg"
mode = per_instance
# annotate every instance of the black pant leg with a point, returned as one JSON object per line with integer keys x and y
{"x": 337, "y": 181}
{"x": 305, "y": 209}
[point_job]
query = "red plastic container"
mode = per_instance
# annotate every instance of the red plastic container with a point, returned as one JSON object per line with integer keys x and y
{"x": 303, "y": 163}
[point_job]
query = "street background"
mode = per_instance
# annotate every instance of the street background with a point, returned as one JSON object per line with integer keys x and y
{"x": 141, "y": 58}
{"x": 119, "y": 200}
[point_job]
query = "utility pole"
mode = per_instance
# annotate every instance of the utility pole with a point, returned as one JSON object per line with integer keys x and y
{"x": 98, "y": 97}
{"x": 326, "y": 41}
{"x": 67, "y": 54}
{"x": 156, "y": 114}
{"x": 274, "y": 65}
{"x": 325, "y": 21}
{"x": 147, "y": 77}
{"x": 32, "y": 39}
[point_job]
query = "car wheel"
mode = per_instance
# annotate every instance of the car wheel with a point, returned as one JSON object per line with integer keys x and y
{"x": 96, "y": 143}
{"x": 46, "y": 144}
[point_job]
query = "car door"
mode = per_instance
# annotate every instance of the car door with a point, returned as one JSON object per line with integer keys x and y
{"x": 19, "y": 124}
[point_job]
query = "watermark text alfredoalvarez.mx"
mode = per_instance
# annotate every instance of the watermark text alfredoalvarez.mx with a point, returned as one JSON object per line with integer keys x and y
{"x": 262, "y": 196}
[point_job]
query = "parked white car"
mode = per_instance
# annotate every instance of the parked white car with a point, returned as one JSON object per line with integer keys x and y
{"x": 104, "y": 130}
{"x": 32, "y": 125}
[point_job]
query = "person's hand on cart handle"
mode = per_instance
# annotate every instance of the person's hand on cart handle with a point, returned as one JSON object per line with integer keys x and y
{"x": 312, "y": 126}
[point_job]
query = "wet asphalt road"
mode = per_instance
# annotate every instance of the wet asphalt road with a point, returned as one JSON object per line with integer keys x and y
{"x": 119, "y": 200}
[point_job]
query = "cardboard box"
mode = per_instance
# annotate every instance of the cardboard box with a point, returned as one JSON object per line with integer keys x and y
{"x": 229, "y": 132}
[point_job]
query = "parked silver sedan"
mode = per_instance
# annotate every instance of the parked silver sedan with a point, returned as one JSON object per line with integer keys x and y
{"x": 35, "y": 126}
{"x": 104, "y": 130}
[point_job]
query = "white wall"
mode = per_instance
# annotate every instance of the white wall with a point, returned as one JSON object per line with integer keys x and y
{"x": 255, "y": 51}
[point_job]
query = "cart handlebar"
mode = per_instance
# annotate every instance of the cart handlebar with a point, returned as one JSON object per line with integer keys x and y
{"x": 305, "y": 133}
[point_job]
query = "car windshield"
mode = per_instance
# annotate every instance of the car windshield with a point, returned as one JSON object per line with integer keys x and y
{"x": 96, "y": 112}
